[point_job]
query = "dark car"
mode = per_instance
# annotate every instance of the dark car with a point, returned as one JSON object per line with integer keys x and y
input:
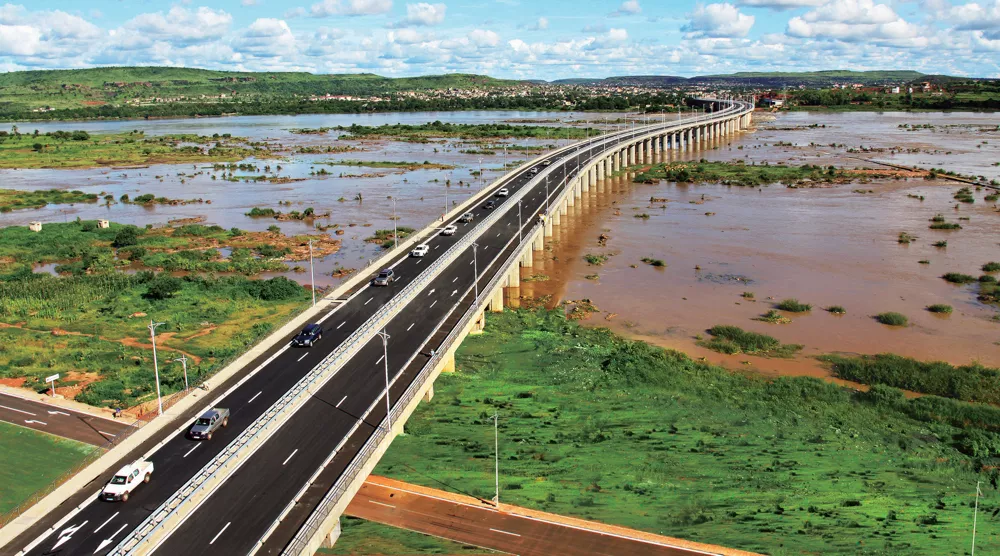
{"x": 308, "y": 336}
{"x": 490, "y": 205}
{"x": 384, "y": 278}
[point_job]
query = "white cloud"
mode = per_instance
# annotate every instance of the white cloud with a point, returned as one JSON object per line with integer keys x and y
{"x": 628, "y": 7}
{"x": 864, "y": 12}
{"x": 540, "y": 25}
{"x": 481, "y": 37}
{"x": 181, "y": 26}
{"x": 249, "y": 2}
{"x": 408, "y": 36}
{"x": 19, "y": 40}
{"x": 617, "y": 35}
{"x": 350, "y": 7}
{"x": 857, "y": 21}
{"x": 781, "y": 4}
{"x": 976, "y": 17}
{"x": 424, "y": 14}
{"x": 266, "y": 37}
{"x": 718, "y": 20}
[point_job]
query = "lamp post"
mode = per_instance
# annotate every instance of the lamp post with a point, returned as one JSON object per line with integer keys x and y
{"x": 496, "y": 454}
{"x": 184, "y": 362}
{"x": 546, "y": 194}
{"x": 475, "y": 266}
{"x": 312, "y": 284}
{"x": 395, "y": 234}
{"x": 156, "y": 367}
{"x": 519, "y": 225}
{"x": 482, "y": 180}
{"x": 385, "y": 359}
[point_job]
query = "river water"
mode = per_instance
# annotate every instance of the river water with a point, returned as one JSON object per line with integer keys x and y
{"x": 824, "y": 246}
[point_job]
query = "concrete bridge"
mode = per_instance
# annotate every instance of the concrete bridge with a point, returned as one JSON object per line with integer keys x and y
{"x": 309, "y": 425}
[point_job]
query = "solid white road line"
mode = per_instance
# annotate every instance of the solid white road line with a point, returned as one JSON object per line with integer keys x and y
{"x": 433, "y": 304}
{"x": 455, "y": 280}
{"x": 107, "y": 433}
{"x": 303, "y": 356}
{"x": 255, "y": 396}
{"x": 29, "y": 421}
{"x": 18, "y": 410}
{"x": 409, "y": 327}
{"x": 504, "y": 532}
{"x": 341, "y": 401}
{"x": 59, "y": 413}
{"x": 341, "y": 324}
{"x": 289, "y": 456}
{"x": 369, "y": 300}
{"x": 382, "y": 504}
{"x": 106, "y": 522}
{"x": 380, "y": 360}
{"x": 219, "y": 533}
{"x": 191, "y": 450}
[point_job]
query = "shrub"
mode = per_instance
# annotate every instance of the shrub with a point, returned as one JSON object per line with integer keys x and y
{"x": 596, "y": 260}
{"x": 958, "y": 278}
{"x": 163, "y": 287}
{"x": 274, "y": 228}
{"x": 836, "y": 309}
{"x": 991, "y": 266}
{"x": 945, "y": 226}
{"x": 892, "y": 319}
{"x": 732, "y": 340}
{"x": 747, "y": 295}
{"x": 940, "y": 308}
{"x": 793, "y": 306}
{"x": 126, "y": 236}
{"x": 940, "y": 244}
{"x": 262, "y": 212}
{"x": 653, "y": 262}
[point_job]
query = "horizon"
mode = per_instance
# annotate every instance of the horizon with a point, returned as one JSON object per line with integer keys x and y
{"x": 506, "y": 39}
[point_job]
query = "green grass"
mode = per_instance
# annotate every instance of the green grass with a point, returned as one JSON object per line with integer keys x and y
{"x": 972, "y": 383}
{"x": 359, "y": 537}
{"x": 733, "y": 340}
{"x": 425, "y": 165}
{"x": 892, "y": 319}
{"x": 958, "y": 278}
{"x": 744, "y": 175}
{"x": 12, "y": 199}
{"x": 940, "y": 244}
{"x": 120, "y": 149}
{"x": 940, "y": 308}
{"x": 836, "y": 310}
{"x": 596, "y": 260}
{"x": 991, "y": 266}
{"x": 599, "y": 427}
{"x": 31, "y": 460}
{"x": 774, "y": 317}
{"x": 945, "y": 226}
{"x": 793, "y": 306}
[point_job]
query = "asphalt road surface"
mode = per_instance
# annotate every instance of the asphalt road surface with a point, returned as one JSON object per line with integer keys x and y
{"x": 484, "y": 526}
{"x": 60, "y": 421}
{"x": 225, "y": 523}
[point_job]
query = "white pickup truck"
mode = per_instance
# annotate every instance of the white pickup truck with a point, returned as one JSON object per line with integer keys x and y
{"x": 126, "y": 479}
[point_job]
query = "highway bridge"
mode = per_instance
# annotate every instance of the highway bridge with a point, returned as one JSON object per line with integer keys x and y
{"x": 309, "y": 425}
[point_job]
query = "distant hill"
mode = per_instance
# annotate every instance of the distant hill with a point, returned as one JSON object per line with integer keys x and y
{"x": 764, "y": 79}
{"x": 627, "y": 80}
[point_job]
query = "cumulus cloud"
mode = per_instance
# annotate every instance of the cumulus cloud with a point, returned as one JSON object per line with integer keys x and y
{"x": 781, "y": 4}
{"x": 20, "y": 40}
{"x": 181, "y": 26}
{"x": 350, "y": 7}
{"x": 424, "y": 14}
{"x": 540, "y": 25}
{"x": 408, "y": 36}
{"x": 978, "y": 17}
{"x": 718, "y": 20}
{"x": 484, "y": 37}
{"x": 856, "y": 21}
{"x": 628, "y": 7}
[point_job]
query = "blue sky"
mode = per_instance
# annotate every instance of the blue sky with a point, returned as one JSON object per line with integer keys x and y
{"x": 536, "y": 39}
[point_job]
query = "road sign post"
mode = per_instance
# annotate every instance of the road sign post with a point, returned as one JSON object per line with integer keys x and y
{"x": 52, "y": 382}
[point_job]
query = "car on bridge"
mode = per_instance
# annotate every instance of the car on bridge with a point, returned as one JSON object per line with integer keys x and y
{"x": 503, "y": 192}
{"x": 420, "y": 250}
{"x": 547, "y": 163}
{"x": 209, "y": 422}
{"x": 384, "y": 278}
{"x": 126, "y": 480}
{"x": 309, "y": 335}
{"x": 466, "y": 218}
{"x": 534, "y": 171}
{"x": 449, "y": 230}
{"x": 490, "y": 205}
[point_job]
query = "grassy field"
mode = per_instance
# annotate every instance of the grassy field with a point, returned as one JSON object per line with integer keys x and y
{"x": 25, "y": 150}
{"x": 359, "y": 537}
{"x": 13, "y": 199}
{"x": 89, "y": 324}
{"x": 31, "y": 460}
{"x": 740, "y": 174}
{"x": 599, "y": 427}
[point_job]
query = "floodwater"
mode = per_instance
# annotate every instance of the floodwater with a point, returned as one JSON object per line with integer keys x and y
{"x": 825, "y": 246}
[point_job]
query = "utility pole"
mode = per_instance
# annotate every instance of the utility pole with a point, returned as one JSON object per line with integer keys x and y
{"x": 156, "y": 367}
{"x": 496, "y": 453}
{"x": 519, "y": 225}
{"x": 546, "y": 194}
{"x": 395, "y": 234}
{"x": 475, "y": 266}
{"x": 312, "y": 281}
{"x": 974, "y": 516}
{"x": 385, "y": 359}
{"x": 184, "y": 362}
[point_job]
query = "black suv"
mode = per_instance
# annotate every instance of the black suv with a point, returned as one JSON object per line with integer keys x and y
{"x": 308, "y": 336}
{"x": 490, "y": 205}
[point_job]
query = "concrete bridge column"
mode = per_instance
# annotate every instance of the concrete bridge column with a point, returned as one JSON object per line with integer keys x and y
{"x": 477, "y": 328}
{"x": 630, "y": 156}
{"x": 527, "y": 258}
{"x": 514, "y": 278}
{"x": 548, "y": 229}
{"x": 332, "y": 536}
{"x": 538, "y": 242}
{"x": 555, "y": 217}
{"x": 687, "y": 139}
{"x": 429, "y": 394}
{"x": 573, "y": 186}
{"x": 496, "y": 300}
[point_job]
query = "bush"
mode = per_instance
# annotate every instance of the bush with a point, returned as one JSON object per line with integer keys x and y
{"x": 892, "y": 319}
{"x": 991, "y": 266}
{"x": 163, "y": 287}
{"x": 653, "y": 262}
{"x": 732, "y": 340}
{"x": 958, "y": 278}
{"x": 940, "y": 308}
{"x": 793, "y": 306}
{"x": 126, "y": 236}
{"x": 836, "y": 309}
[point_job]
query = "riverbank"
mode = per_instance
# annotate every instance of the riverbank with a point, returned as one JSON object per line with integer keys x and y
{"x": 596, "y": 426}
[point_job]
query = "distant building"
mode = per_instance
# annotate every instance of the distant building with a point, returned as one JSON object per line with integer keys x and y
{"x": 101, "y": 223}
{"x": 772, "y": 102}
{"x": 35, "y": 226}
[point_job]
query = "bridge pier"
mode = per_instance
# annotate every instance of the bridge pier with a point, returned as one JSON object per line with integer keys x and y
{"x": 332, "y": 536}
{"x": 496, "y": 301}
{"x": 429, "y": 394}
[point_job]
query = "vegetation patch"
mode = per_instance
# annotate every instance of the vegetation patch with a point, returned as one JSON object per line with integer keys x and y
{"x": 753, "y": 175}
{"x": 940, "y": 308}
{"x": 32, "y": 460}
{"x": 892, "y": 319}
{"x": 425, "y": 165}
{"x": 423, "y": 132}
{"x": 13, "y": 199}
{"x": 836, "y": 310}
{"x": 991, "y": 266}
{"x": 386, "y": 238}
{"x": 596, "y": 259}
{"x": 793, "y": 306}
{"x": 358, "y": 536}
{"x": 774, "y": 317}
{"x": 972, "y": 383}
{"x": 733, "y": 340}
{"x": 958, "y": 278}
{"x": 653, "y": 262}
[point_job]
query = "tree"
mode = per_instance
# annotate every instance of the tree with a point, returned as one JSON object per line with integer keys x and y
{"x": 163, "y": 287}
{"x": 38, "y": 147}
{"x": 126, "y": 236}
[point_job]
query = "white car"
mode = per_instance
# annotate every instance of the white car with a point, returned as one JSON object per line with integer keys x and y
{"x": 420, "y": 250}
{"x": 503, "y": 192}
{"x": 126, "y": 480}
{"x": 449, "y": 230}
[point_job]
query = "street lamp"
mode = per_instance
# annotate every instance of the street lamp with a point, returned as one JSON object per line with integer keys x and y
{"x": 496, "y": 454}
{"x": 385, "y": 359}
{"x": 395, "y": 234}
{"x": 519, "y": 225}
{"x": 156, "y": 368}
{"x": 475, "y": 266}
{"x": 184, "y": 362}
{"x": 546, "y": 193}
{"x": 312, "y": 281}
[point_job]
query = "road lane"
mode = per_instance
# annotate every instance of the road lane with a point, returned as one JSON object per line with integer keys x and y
{"x": 61, "y": 421}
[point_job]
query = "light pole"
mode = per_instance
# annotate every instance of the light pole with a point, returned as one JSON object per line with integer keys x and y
{"x": 395, "y": 234}
{"x": 475, "y": 266}
{"x": 519, "y": 225}
{"x": 481, "y": 178}
{"x": 312, "y": 280}
{"x": 496, "y": 454}
{"x": 156, "y": 367}
{"x": 184, "y": 362}
{"x": 974, "y": 516}
{"x": 505, "y": 157}
{"x": 385, "y": 359}
{"x": 546, "y": 194}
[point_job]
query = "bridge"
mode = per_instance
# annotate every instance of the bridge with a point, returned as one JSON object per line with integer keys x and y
{"x": 309, "y": 425}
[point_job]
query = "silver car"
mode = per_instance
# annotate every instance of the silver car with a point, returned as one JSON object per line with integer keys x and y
{"x": 209, "y": 422}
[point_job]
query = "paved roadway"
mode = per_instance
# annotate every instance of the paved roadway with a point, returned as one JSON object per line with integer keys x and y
{"x": 482, "y": 525}
{"x": 60, "y": 421}
{"x": 285, "y": 463}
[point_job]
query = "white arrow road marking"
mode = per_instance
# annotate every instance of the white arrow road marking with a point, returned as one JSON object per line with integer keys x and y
{"x": 18, "y": 410}
{"x": 106, "y": 522}
{"x": 107, "y": 541}
{"x": 59, "y": 413}
{"x": 454, "y": 292}
{"x": 67, "y": 534}
{"x": 219, "y": 533}
{"x": 431, "y": 292}
{"x": 29, "y": 421}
